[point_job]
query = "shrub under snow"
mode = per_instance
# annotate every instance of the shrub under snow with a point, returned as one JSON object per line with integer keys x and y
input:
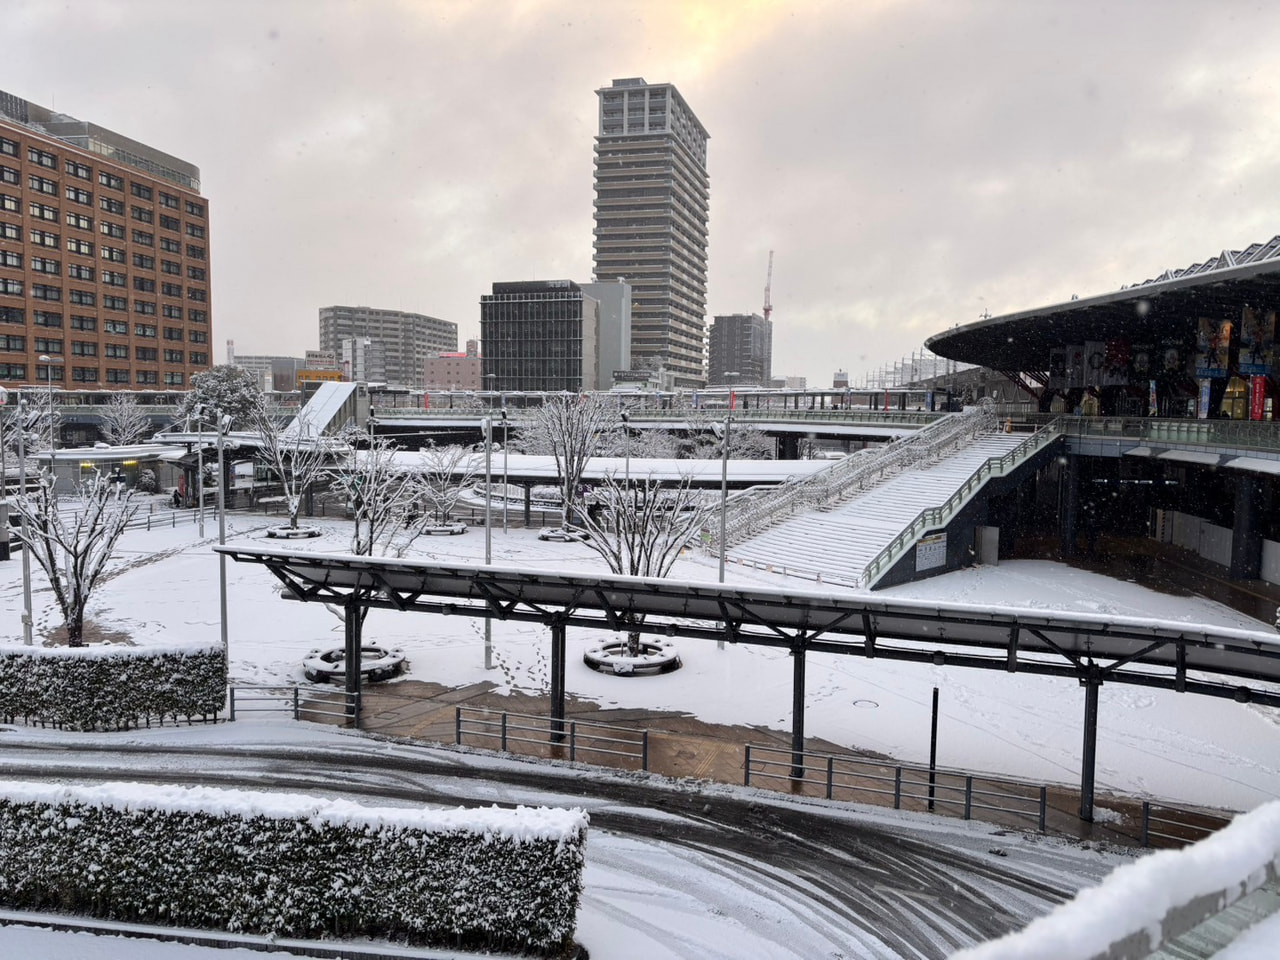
{"x": 109, "y": 688}
{"x": 294, "y": 866}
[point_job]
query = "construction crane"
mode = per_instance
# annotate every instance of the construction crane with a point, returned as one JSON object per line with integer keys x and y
{"x": 768, "y": 286}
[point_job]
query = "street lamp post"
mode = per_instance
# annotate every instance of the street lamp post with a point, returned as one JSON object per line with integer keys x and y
{"x": 626, "y": 441}
{"x": 48, "y": 372}
{"x": 505, "y": 491}
{"x": 222, "y": 537}
{"x": 26, "y": 550}
{"x": 724, "y": 489}
{"x": 487, "y": 426}
{"x": 199, "y": 412}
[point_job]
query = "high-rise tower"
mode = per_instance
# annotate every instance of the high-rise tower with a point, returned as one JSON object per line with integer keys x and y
{"x": 652, "y": 194}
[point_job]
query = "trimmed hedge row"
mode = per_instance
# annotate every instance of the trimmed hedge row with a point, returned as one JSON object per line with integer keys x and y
{"x": 295, "y": 866}
{"x": 109, "y": 689}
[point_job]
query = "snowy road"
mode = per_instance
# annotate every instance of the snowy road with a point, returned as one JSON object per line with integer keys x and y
{"x": 674, "y": 869}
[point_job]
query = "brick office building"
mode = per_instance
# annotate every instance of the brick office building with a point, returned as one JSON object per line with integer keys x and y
{"x": 104, "y": 257}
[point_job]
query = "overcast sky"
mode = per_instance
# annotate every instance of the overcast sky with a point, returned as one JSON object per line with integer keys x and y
{"x": 913, "y": 164}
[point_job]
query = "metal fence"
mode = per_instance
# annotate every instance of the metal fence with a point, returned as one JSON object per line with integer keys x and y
{"x": 1165, "y": 826}
{"x": 322, "y": 705}
{"x": 543, "y": 737}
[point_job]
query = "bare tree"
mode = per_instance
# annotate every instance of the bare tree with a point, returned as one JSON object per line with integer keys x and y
{"x": 383, "y": 497}
{"x": 122, "y": 420}
{"x": 641, "y": 529}
{"x": 569, "y": 428}
{"x": 446, "y": 471}
{"x": 73, "y": 544}
{"x": 746, "y": 440}
{"x": 298, "y": 455}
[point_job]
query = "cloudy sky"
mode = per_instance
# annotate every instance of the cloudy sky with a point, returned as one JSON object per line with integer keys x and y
{"x": 913, "y": 164}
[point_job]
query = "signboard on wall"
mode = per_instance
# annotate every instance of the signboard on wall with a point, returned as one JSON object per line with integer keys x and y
{"x": 931, "y": 552}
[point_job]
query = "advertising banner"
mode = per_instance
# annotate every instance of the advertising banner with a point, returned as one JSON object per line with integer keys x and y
{"x": 1257, "y": 342}
{"x": 1115, "y": 367}
{"x": 1095, "y": 358}
{"x": 1257, "y": 397}
{"x": 1202, "y": 407}
{"x": 1213, "y": 348}
{"x": 1075, "y": 366}
{"x": 1058, "y": 368}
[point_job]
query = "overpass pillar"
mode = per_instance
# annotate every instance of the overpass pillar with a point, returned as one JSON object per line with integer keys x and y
{"x": 1246, "y": 538}
{"x": 557, "y": 680}
{"x": 528, "y": 505}
{"x": 1091, "y": 681}
{"x": 353, "y": 621}
{"x": 1069, "y": 506}
{"x": 788, "y": 447}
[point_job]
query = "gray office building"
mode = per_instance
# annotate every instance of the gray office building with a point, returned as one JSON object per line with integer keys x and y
{"x": 651, "y": 211}
{"x": 741, "y": 349}
{"x": 403, "y": 340}
{"x": 539, "y": 335}
{"x": 614, "y": 299}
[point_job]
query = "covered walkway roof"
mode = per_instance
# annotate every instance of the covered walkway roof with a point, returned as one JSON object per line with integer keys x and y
{"x": 1157, "y": 310}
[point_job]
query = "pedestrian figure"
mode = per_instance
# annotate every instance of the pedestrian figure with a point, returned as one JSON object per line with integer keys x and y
{"x": 177, "y": 498}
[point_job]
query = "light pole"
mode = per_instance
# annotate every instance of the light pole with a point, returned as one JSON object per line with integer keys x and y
{"x": 505, "y": 491}
{"x": 487, "y": 426}
{"x": 626, "y": 440}
{"x": 724, "y": 488}
{"x": 48, "y": 372}
{"x": 26, "y": 549}
{"x": 199, "y": 412}
{"x": 222, "y": 538}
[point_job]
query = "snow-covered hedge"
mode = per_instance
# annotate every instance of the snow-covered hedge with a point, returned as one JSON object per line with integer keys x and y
{"x": 109, "y": 688}
{"x": 294, "y": 866}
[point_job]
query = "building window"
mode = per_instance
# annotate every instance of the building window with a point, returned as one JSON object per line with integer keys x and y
{"x": 46, "y": 265}
{"x": 171, "y": 289}
{"x": 45, "y": 291}
{"x": 173, "y": 356}
{"x": 13, "y": 343}
{"x": 142, "y": 238}
{"x": 173, "y": 333}
{"x": 43, "y": 238}
{"x": 9, "y": 231}
{"x": 78, "y": 195}
{"x": 119, "y": 327}
{"x": 114, "y": 278}
{"x": 110, "y": 180}
{"x": 113, "y": 230}
{"x": 147, "y": 330}
{"x": 194, "y": 252}
{"x": 41, "y": 157}
{"x": 11, "y": 288}
{"x": 47, "y": 345}
{"x": 197, "y": 316}
{"x": 144, "y": 262}
{"x": 197, "y": 359}
{"x": 115, "y": 351}
{"x": 195, "y": 209}
{"x": 82, "y": 298}
{"x": 79, "y": 221}
{"x": 170, "y": 245}
{"x": 47, "y": 371}
{"x": 142, "y": 191}
{"x": 13, "y": 371}
{"x": 117, "y": 376}
{"x": 198, "y": 336}
{"x": 42, "y": 185}
{"x": 195, "y": 230}
{"x": 8, "y": 147}
{"x": 168, "y": 200}
{"x": 42, "y": 211}
{"x": 11, "y": 258}
{"x": 115, "y": 303}
{"x": 46, "y": 318}
{"x": 147, "y": 377}
{"x": 112, "y": 206}
{"x": 114, "y": 254}
{"x": 171, "y": 312}
{"x": 9, "y": 175}
{"x": 84, "y": 374}
{"x": 9, "y": 204}
{"x": 198, "y": 295}
{"x": 146, "y": 354}
{"x": 145, "y": 284}
{"x": 146, "y": 308}
{"x": 173, "y": 379}
{"x": 12, "y": 315}
{"x": 168, "y": 266}
{"x": 78, "y": 271}
{"x": 81, "y": 348}
{"x": 77, "y": 169}
{"x": 142, "y": 214}
{"x": 87, "y": 324}
{"x": 197, "y": 273}
{"x": 170, "y": 223}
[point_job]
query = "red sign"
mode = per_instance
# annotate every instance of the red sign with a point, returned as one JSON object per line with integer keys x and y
{"x": 1257, "y": 397}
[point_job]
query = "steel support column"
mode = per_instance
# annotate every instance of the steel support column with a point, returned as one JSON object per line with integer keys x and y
{"x": 1070, "y": 505}
{"x": 351, "y": 635}
{"x": 528, "y": 505}
{"x": 557, "y": 681}
{"x": 1089, "y": 756}
{"x": 797, "y": 711}
{"x": 1246, "y": 535}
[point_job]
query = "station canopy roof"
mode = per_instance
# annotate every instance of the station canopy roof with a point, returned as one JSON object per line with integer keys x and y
{"x": 1159, "y": 310}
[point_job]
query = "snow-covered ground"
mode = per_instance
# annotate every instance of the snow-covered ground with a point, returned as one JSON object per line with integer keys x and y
{"x": 1154, "y": 743}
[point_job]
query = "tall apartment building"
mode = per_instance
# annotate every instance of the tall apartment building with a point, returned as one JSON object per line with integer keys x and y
{"x": 363, "y": 360}
{"x": 651, "y": 210}
{"x": 539, "y": 335}
{"x": 104, "y": 257}
{"x": 741, "y": 350}
{"x": 404, "y": 339}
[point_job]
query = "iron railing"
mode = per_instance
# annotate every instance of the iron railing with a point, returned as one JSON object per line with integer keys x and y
{"x": 542, "y": 736}
{"x": 301, "y": 703}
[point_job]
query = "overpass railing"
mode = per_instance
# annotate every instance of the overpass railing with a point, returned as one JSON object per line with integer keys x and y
{"x": 1237, "y": 434}
{"x": 936, "y": 518}
{"x": 910, "y": 419}
{"x": 853, "y": 475}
